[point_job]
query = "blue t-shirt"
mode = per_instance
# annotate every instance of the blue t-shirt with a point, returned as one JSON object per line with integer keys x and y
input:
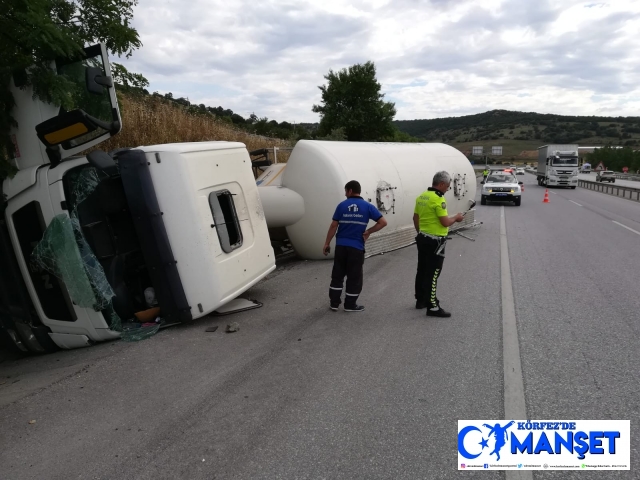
{"x": 353, "y": 216}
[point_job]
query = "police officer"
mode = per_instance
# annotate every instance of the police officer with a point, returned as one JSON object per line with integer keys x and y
{"x": 432, "y": 223}
{"x": 485, "y": 174}
{"x": 350, "y": 219}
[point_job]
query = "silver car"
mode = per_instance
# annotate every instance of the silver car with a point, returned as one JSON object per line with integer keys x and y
{"x": 606, "y": 176}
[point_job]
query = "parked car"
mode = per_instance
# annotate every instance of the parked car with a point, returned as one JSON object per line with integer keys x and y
{"x": 606, "y": 176}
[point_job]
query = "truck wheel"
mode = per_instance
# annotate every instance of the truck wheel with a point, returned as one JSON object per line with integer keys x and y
{"x": 573, "y": 188}
{"x": 483, "y": 200}
{"x": 613, "y": 181}
{"x": 517, "y": 201}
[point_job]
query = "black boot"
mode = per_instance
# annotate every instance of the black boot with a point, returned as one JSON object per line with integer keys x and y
{"x": 438, "y": 313}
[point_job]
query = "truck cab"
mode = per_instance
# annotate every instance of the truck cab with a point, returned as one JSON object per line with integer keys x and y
{"x": 558, "y": 166}
{"x": 88, "y": 236}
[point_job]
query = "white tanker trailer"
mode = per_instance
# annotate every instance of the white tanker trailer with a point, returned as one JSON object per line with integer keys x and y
{"x": 302, "y": 194}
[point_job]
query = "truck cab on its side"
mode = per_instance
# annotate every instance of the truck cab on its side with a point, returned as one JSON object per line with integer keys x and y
{"x": 85, "y": 236}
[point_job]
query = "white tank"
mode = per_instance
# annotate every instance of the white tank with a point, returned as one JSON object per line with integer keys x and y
{"x": 392, "y": 176}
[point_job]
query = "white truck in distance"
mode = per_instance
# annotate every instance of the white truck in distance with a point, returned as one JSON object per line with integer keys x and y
{"x": 558, "y": 166}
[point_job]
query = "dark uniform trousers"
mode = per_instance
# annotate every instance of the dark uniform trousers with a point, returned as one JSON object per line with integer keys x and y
{"x": 429, "y": 268}
{"x": 347, "y": 261}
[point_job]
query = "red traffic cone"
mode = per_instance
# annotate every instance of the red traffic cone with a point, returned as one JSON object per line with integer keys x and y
{"x": 546, "y": 196}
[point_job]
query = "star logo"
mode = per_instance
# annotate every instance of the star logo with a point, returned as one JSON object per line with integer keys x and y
{"x": 484, "y": 443}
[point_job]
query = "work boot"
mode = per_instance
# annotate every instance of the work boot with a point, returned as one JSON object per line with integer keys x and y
{"x": 440, "y": 312}
{"x": 420, "y": 305}
{"x": 355, "y": 308}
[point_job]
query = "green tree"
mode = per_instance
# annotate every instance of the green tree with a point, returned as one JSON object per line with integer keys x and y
{"x": 352, "y": 100}
{"x": 34, "y": 32}
{"x": 127, "y": 79}
{"x": 336, "y": 135}
{"x": 615, "y": 158}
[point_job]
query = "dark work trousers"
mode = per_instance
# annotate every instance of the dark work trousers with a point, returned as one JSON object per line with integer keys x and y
{"x": 429, "y": 268}
{"x": 347, "y": 261}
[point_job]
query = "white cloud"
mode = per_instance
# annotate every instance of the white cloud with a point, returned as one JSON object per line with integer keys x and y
{"x": 435, "y": 58}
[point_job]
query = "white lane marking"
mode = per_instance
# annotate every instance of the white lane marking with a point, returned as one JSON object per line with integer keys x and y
{"x": 553, "y": 193}
{"x": 515, "y": 407}
{"x": 575, "y": 203}
{"x": 514, "y": 402}
{"x": 624, "y": 226}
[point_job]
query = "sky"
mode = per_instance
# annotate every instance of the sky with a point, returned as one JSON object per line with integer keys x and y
{"x": 434, "y": 58}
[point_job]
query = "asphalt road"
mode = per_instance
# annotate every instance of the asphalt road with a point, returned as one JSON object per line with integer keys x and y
{"x": 303, "y": 392}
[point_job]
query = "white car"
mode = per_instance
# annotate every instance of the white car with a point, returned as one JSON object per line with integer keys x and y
{"x": 502, "y": 187}
{"x": 520, "y": 171}
{"x": 606, "y": 176}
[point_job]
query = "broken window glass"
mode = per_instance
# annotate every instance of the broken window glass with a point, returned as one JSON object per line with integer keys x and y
{"x": 64, "y": 252}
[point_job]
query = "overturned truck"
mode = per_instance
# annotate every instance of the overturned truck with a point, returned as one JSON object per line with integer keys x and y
{"x": 105, "y": 245}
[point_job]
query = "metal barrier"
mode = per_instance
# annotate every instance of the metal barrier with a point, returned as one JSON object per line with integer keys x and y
{"x": 610, "y": 189}
{"x": 628, "y": 176}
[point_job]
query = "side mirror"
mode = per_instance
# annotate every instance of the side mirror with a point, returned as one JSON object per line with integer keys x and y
{"x": 520, "y": 183}
{"x": 96, "y": 81}
{"x": 69, "y": 126}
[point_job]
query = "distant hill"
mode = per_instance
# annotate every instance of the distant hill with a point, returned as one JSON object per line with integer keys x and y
{"x": 520, "y": 133}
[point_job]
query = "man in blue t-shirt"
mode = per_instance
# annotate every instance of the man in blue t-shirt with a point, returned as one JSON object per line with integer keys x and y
{"x": 350, "y": 219}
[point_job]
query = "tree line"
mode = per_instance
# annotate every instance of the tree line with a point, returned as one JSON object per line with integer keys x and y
{"x": 505, "y": 124}
{"x": 615, "y": 158}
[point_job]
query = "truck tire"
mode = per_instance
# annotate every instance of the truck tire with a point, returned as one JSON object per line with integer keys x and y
{"x": 483, "y": 200}
{"x": 613, "y": 181}
{"x": 573, "y": 188}
{"x": 517, "y": 201}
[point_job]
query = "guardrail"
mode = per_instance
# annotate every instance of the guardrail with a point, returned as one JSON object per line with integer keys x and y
{"x": 619, "y": 176}
{"x": 628, "y": 176}
{"x": 629, "y": 193}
